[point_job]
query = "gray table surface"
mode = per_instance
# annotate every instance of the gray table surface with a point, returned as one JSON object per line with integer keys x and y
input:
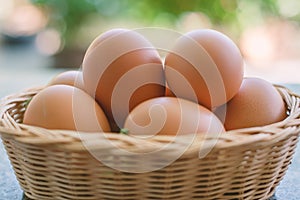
{"x": 23, "y": 67}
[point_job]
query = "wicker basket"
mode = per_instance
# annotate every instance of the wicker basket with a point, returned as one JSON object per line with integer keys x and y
{"x": 54, "y": 164}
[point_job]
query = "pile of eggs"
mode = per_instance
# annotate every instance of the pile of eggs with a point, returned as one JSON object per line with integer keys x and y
{"x": 198, "y": 87}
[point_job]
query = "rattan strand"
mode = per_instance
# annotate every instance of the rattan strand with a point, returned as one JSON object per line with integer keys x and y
{"x": 55, "y": 164}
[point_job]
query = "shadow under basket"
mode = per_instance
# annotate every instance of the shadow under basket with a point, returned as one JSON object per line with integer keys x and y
{"x": 56, "y": 164}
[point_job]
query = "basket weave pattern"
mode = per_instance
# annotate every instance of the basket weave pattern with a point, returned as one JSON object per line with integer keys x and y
{"x": 54, "y": 164}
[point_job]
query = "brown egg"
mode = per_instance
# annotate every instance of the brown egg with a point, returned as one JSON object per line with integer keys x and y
{"x": 168, "y": 92}
{"x": 102, "y": 37}
{"x": 122, "y": 69}
{"x": 72, "y": 78}
{"x": 204, "y": 66}
{"x": 257, "y": 103}
{"x": 65, "y": 107}
{"x": 171, "y": 116}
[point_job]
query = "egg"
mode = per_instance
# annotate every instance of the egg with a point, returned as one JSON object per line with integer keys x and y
{"x": 121, "y": 69}
{"x": 171, "y": 116}
{"x": 168, "y": 92}
{"x": 257, "y": 103}
{"x": 71, "y": 77}
{"x": 65, "y": 107}
{"x": 204, "y": 66}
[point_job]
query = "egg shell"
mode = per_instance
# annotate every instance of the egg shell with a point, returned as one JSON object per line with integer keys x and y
{"x": 122, "y": 69}
{"x": 257, "y": 103}
{"x": 171, "y": 116}
{"x": 71, "y": 77}
{"x": 65, "y": 107}
{"x": 168, "y": 92}
{"x": 204, "y": 66}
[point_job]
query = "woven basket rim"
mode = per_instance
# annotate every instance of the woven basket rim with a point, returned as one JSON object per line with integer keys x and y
{"x": 70, "y": 140}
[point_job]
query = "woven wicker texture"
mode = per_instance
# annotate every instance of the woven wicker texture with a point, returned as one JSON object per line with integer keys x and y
{"x": 55, "y": 164}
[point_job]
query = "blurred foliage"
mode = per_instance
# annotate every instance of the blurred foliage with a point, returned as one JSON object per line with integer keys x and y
{"x": 68, "y": 15}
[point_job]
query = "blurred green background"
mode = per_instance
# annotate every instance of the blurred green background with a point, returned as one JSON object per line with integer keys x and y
{"x": 265, "y": 30}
